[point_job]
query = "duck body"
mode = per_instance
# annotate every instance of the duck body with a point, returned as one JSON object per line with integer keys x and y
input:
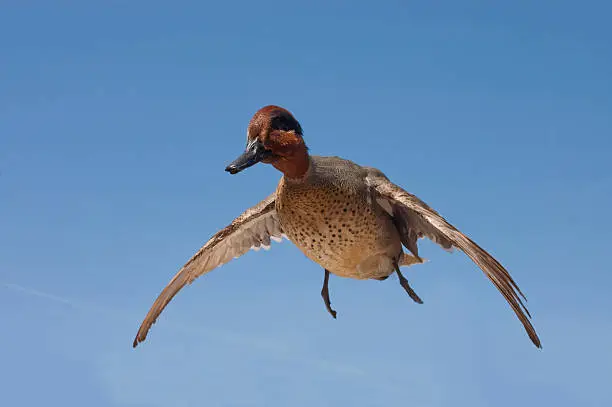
{"x": 350, "y": 219}
{"x": 331, "y": 216}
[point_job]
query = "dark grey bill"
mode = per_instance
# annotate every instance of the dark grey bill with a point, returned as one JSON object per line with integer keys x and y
{"x": 254, "y": 153}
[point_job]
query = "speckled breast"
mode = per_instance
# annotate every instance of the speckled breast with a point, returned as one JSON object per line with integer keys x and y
{"x": 334, "y": 225}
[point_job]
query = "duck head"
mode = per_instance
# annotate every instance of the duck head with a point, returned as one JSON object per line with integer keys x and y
{"x": 274, "y": 137}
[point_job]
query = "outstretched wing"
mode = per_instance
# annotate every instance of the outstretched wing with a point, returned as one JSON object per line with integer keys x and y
{"x": 415, "y": 219}
{"x": 251, "y": 230}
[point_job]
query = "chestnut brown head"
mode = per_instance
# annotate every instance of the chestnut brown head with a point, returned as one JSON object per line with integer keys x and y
{"x": 274, "y": 137}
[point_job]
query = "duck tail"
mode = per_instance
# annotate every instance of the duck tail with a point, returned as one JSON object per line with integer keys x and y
{"x": 409, "y": 260}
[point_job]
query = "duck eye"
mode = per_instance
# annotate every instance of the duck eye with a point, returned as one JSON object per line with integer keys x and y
{"x": 285, "y": 122}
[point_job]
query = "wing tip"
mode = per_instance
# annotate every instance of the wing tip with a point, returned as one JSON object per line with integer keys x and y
{"x": 139, "y": 338}
{"x": 142, "y": 333}
{"x": 536, "y": 341}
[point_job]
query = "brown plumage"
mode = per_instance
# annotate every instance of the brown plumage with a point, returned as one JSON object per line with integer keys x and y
{"x": 351, "y": 220}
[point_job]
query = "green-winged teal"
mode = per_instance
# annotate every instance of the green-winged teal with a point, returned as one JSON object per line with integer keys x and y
{"x": 350, "y": 219}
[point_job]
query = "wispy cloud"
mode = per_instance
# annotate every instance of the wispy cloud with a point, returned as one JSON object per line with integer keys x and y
{"x": 36, "y": 293}
{"x": 270, "y": 345}
{"x": 95, "y": 333}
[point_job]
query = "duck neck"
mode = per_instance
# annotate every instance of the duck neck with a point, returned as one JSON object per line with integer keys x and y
{"x": 295, "y": 165}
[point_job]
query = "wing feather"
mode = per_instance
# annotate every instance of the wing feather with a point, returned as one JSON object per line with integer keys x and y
{"x": 253, "y": 229}
{"x": 414, "y": 219}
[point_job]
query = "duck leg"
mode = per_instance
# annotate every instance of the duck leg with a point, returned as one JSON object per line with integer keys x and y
{"x": 325, "y": 295}
{"x": 404, "y": 283}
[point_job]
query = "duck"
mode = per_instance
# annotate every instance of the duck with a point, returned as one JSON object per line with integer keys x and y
{"x": 349, "y": 219}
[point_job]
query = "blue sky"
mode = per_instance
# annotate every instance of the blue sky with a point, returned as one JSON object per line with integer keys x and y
{"x": 117, "y": 119}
